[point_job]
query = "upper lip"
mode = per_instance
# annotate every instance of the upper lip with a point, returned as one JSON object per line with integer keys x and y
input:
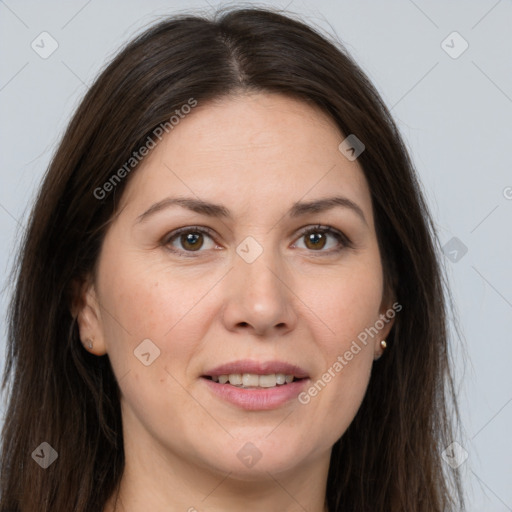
{"x": 258, "y": 368}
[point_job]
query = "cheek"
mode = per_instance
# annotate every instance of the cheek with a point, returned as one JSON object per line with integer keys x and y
{"x": 147, "y": 302}
{"x": 142, "y": 302}
{"x": 349, "y": 306}
{"x": 350, "y": 303}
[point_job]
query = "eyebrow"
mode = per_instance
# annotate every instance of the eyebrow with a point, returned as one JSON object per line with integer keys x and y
{"x": 217, "y": 210}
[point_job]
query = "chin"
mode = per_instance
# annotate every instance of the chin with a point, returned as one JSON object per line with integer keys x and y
{"x": 254, "y": 460}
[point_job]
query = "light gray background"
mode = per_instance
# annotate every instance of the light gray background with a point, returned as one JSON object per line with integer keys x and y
{"x": 455, "y": 115}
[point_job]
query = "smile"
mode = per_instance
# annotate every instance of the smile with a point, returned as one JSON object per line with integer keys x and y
{"x": 262, "y": 386}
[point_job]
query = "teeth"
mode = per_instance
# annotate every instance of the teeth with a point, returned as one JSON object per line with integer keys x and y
{"x": 235, "y": 379}
{"x": 268, "y": 381}
{"x": 281, "y": 378}
{"x": 249, "y": 379}
{"x": 252, "y": 380}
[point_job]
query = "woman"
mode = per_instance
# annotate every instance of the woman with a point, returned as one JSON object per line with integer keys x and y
{"x": 229, "y": 293}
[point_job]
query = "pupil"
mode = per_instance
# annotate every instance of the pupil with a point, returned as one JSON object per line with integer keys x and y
{"x": 191, "y": 239}
{"x": 318, "y": 237}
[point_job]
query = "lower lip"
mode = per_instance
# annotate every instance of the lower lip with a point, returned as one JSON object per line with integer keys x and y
{"x": 257, "y": 399}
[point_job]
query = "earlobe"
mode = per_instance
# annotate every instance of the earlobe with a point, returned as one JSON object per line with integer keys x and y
{"x": 88, "y": 316}
{"x": 387, "y": 318}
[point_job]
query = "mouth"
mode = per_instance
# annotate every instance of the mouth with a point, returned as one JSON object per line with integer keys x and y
{"x": 254, "y": 385}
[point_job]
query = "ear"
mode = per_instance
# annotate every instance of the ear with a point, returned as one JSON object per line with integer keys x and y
{"x": 87, "y": 311}
{"x": 384, "y": 324}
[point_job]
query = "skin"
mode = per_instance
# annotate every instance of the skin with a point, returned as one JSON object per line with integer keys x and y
{"x": 256, "y": 154}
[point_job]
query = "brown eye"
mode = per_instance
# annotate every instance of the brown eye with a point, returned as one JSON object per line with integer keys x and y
{"x": 192, "y": 241}
{"x": 189, "y": 240}
{"x": 317, "y": 238}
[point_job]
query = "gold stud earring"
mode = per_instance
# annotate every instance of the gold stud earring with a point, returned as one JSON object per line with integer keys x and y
{"x": 383, "y": 344}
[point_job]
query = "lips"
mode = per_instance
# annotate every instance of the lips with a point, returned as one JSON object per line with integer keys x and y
{"x": 258, "y": 368}
{"x": 253, "y": 374}
{"x": 254, "y": 385}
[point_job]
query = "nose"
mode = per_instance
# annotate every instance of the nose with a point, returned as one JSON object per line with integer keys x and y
{"x": 258, "y": 298}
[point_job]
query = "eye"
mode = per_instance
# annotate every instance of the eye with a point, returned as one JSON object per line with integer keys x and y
{"x": 316, "y": 239}
{"x": 191, "y": 239}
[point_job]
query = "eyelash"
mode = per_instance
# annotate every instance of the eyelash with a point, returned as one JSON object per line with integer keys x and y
{"x": 338, "y": 235}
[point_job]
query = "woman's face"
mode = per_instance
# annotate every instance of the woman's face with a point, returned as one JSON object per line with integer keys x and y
{"x": 240, "y": 290}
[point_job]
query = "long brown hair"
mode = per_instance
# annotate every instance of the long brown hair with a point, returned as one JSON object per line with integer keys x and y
{"x": 389, "y": 459}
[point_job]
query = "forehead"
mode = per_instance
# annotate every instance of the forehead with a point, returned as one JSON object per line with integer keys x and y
{"x": 250, "y": 149}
